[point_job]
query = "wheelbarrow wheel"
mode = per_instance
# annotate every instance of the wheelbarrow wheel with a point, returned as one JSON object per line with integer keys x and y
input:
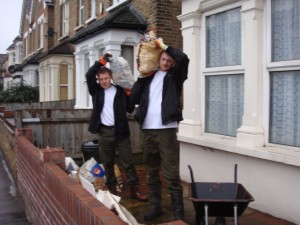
{"x": 220, "y": 221}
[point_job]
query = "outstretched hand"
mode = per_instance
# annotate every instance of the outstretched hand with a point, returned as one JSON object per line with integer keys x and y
{"x": 105, "y": 58}
{"x": 160, "y": 44}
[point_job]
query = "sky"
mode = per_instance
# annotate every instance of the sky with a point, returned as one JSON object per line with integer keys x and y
{"x": 10, "y": 15}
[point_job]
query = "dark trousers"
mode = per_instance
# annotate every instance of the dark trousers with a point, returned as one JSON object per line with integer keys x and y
{"x": 161, "y": 151}
{"x": 109, "y": 147}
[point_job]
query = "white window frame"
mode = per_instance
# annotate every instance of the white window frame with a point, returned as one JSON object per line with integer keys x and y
{"x": 81, "y": 12}
{"x": 41, "y": 31}
{"x": 269, "y": 68}
{"x": 115, "y": 4}
{"x": 65, "y": 17}
{"x": 49, "y": 83}
{"x": 26, "y": 44}
{"x": 225, "y": 70}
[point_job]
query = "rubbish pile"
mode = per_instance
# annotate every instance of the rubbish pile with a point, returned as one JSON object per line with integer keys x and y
{"x": 91, "y": 175}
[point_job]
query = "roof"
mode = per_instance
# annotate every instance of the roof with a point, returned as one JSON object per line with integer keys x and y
{"x": 125, "y": 17}
{"x": 65, "y": 48}
{"x": 62, "y": 49}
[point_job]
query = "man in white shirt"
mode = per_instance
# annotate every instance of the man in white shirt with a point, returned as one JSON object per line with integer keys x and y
{"x": 109, "y": 119}
{"x": 158, "y": 114}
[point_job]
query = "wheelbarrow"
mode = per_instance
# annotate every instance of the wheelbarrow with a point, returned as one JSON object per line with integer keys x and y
{"x": 218, "y": 200}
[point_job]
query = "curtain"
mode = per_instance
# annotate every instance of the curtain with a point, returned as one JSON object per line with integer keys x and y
{"x": 285, "y": 30}
{"x": 285, "y": 108}
{"x": 224, "y": 103}
{"x": 223, "y": 39}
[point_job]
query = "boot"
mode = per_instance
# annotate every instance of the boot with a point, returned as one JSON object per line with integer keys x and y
{"x": 137, "y": 194}
{"x": 178, "y": 208}
{"x": 153, "y": 212}
{"x": 155, "y": 206}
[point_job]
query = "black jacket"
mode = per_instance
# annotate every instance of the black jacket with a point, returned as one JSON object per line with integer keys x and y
{"x": 172, "y": 88}
{"x": 120, "y": 105}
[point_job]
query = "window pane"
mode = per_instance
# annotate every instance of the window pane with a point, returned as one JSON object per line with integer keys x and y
{"x": 224, "y": 104}
{"x": 223, "y": 39}
{"x": 285, "y": 108}
{"x": 127, "y": 53}
{"x": 63, "y": 74}
{"x": 285, "y": 30}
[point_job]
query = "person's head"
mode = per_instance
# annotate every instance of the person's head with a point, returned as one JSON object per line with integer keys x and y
{"x": 166, "y": 62}
{"x": 104, "y": 76}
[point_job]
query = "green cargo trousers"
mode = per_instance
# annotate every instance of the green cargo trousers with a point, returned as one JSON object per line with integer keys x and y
{"x": 109, "y": 147}
{"x": 161, "y": 151}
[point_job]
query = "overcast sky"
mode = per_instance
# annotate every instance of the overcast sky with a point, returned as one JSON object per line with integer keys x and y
{"x": 10, "y": 14}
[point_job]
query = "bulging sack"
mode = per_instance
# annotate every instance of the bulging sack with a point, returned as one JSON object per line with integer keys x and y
{"x": 121, "y": 72}
{"x": 148, "y": 55}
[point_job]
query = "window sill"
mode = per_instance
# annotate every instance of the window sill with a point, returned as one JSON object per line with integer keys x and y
{"x": 116, "y": 5}
{"x": 90, "y": 20}
{"x": 78, "y": 28}
{"x": 271, "y": 153}
{"x": 63, "y": 37}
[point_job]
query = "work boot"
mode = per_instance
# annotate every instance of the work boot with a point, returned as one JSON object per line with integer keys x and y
{"x": 152, "y": 213}
{"x": 178, "y": 208}
{"x": 155, "y": 204}
{"x": 137, "y": 195}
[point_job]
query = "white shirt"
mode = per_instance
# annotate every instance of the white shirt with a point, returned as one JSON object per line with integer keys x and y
{"x": 153, "y": 118}
{"x": 107, "y": 114}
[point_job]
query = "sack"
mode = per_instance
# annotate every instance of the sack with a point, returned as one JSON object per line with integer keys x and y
{"x": 148, "y": 55}
{"x": 121, "y": 72}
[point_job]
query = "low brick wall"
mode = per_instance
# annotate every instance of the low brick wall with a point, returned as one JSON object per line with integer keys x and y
{"x": 8, "y": 141}
{"x": 50, "y": 195}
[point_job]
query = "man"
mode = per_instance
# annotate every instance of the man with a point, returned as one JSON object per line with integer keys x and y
{"x": 158, "y": 114}
{"x": 109, "y": 119}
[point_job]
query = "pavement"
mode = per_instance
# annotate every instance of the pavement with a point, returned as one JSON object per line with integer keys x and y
{"x": 12, "y": 210}
{"x": 11, "y": 205}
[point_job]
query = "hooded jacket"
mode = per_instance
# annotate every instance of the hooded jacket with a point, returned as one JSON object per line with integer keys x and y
{"x": 120, "y": 106}
{"x": 171, "y": 109}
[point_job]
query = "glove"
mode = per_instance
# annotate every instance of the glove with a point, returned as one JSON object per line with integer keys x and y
{"x": 127, "y": 91}
{"x": 159, "y": 43}
{"x": 105, "y": 58}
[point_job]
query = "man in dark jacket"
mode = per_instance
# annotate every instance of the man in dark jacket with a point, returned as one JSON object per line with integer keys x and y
{"x": 158, "y": 114}
{"x": 109, "y": 119}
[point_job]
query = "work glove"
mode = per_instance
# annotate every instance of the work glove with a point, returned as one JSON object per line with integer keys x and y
{"x": 105, "y": 58}
{"x": 127, "y": 91}
{"x": 160, "y": 44}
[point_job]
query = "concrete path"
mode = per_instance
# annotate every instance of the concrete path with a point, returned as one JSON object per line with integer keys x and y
{"x": 11, "y": 206}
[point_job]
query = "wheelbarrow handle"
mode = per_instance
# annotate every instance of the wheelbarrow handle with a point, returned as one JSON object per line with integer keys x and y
{"x": 235, "y": 173}
{"x": 191, "y": 172}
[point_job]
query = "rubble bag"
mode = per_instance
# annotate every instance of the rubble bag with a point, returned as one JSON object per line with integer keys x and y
{"x": 121, "y": 72}
{"x": 148, "y": 57}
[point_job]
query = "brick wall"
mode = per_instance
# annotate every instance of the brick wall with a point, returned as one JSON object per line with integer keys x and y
{"x": 7, "y": 140}
{"x": 50, "y": 195}
{"x": 161, "y": 16}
